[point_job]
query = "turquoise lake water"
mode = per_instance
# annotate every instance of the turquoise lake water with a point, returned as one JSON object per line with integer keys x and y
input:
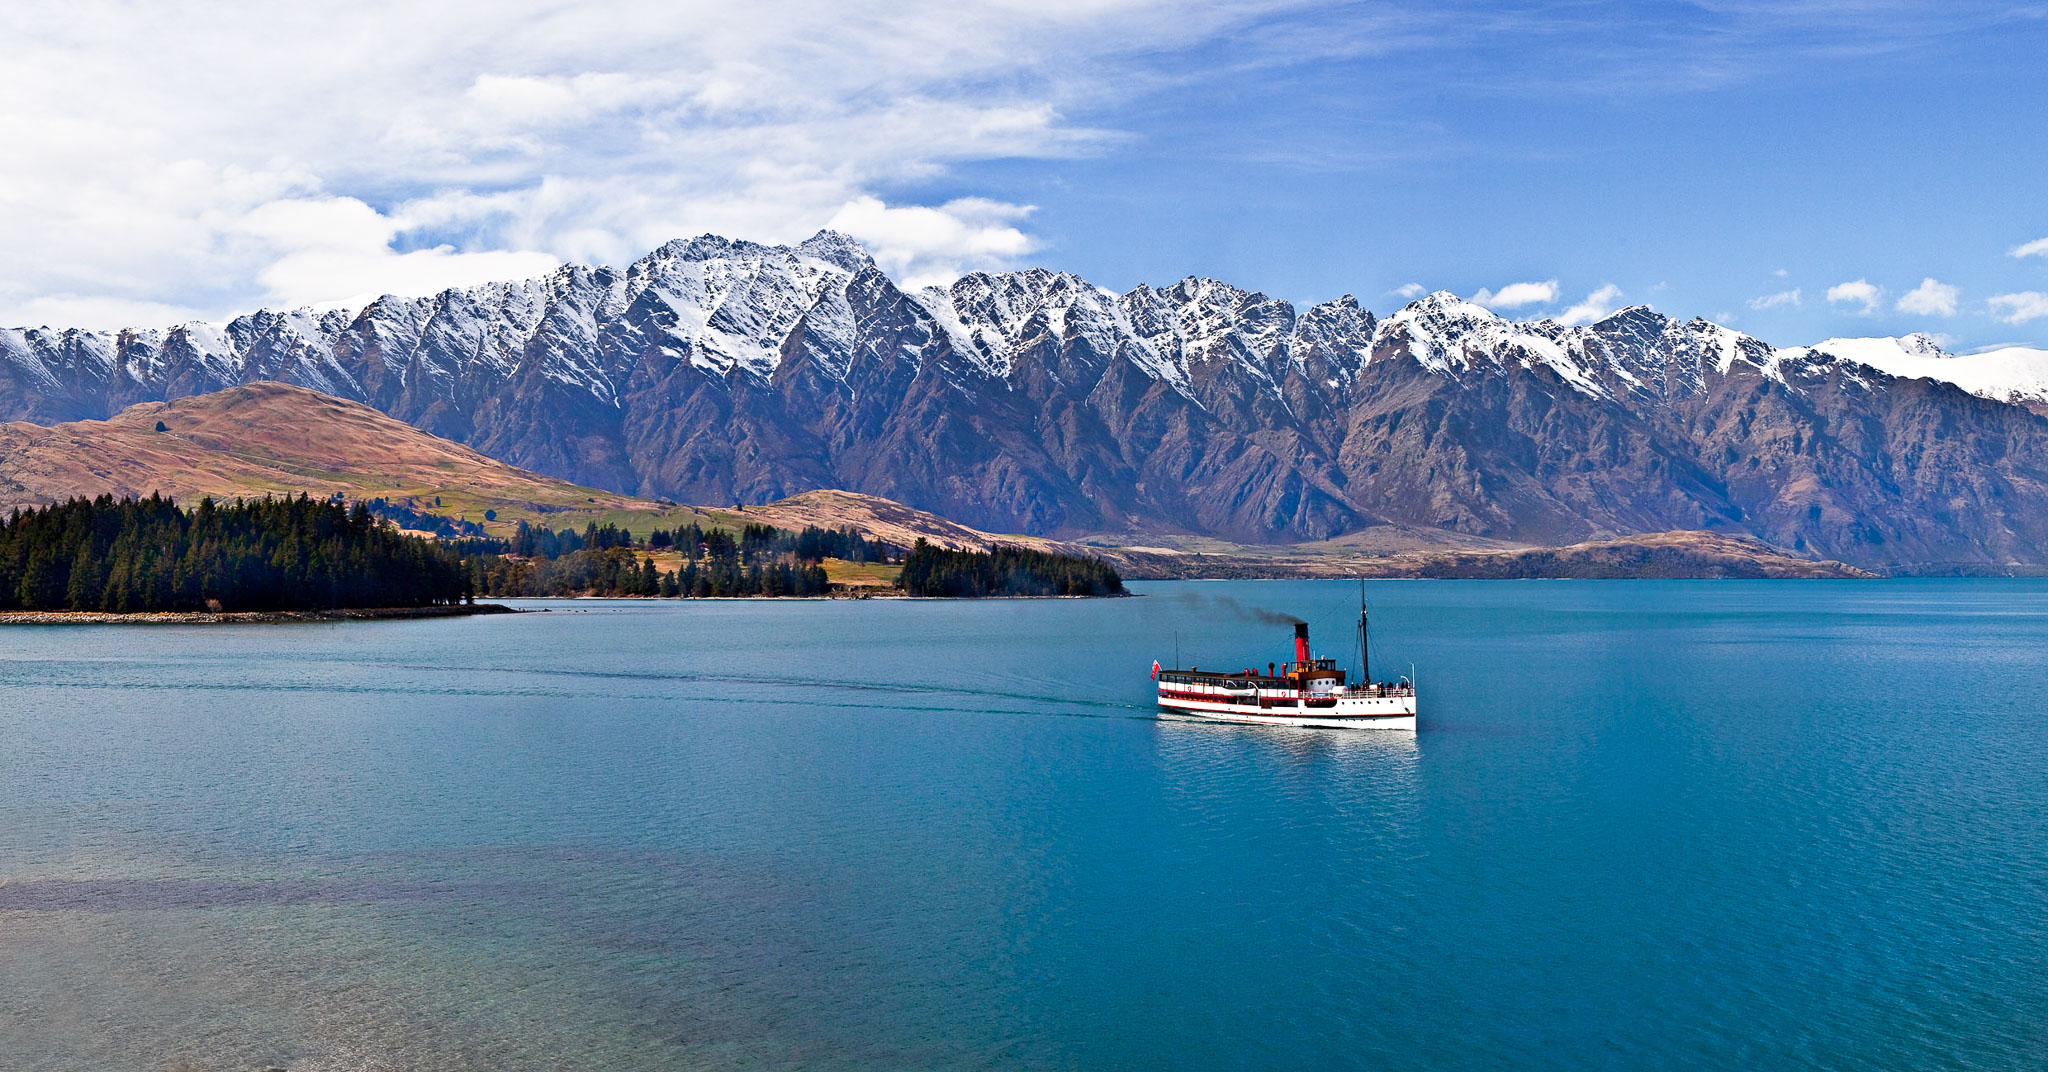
{"x": 1644, "y": 825}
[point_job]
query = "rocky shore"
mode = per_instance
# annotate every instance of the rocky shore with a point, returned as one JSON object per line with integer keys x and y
{"x": 72, "y": 617}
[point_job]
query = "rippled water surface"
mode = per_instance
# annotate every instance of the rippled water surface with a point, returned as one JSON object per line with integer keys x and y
{"x": 1644, "y": 825}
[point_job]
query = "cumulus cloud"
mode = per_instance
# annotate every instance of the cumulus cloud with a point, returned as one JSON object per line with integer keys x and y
{"x": 94, "y": 311}
{"x": 1858, "y": 292}
{"x": 338, "y": 251}
{"x": 1929, "y": 299}
{"x": 1597, "y": 306}
{"x": 1517, "y": 295}
{"x": 2020, "y": 307}
{"x": 1773, "y": 301}
{"x": 1408, "y": 290}
{"x": 316, "y": 152}
{"x": 2037, "y": 248}
{"x": 934, "y": 246}
{"x": 467, "y": 137}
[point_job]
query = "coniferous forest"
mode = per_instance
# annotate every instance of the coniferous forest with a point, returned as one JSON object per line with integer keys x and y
{"x": 322, "y": 554}
{"x": 760, "y": 560}
{"x": 258, "y": 555}
{"x": 1005, "y": 571}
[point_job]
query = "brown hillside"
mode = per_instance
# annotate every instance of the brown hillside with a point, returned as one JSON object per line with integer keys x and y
{"x": 277, "y": 439}
{"x": 879, "y": 518}
{"x": 271, "y": 438}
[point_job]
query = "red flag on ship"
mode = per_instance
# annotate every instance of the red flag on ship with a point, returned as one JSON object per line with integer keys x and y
{"x": 1155, "y": 669}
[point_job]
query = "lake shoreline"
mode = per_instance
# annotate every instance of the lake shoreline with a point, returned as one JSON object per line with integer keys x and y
{"x": 287, "y": 617}
{"x": 248, "y": 617}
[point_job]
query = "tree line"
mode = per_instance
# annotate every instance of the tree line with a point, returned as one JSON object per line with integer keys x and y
{"x": 761, "y": 560}
{"x": 751, "y": 543}
{"x": 606, "y": 560}
{"x": 318, "y": 554}
{"x": 250, "y": 555}
{"x": 622, "y": 571}
{"x": 426, "y": 521}
{"x": 1005, "y": 571}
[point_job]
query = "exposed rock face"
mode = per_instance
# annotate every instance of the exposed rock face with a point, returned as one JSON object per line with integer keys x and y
{"x": 1034, "y": 401}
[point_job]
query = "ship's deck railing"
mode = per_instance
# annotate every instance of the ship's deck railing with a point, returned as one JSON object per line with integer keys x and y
{"x": 1239, "y": 685}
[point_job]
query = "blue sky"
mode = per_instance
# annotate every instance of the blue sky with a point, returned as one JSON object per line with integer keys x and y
{"x": 1741, "y": 161}
{"x": 1685, "y": 157}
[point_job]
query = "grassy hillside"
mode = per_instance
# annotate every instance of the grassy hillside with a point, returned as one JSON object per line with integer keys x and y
{"x": 273, "y": 439}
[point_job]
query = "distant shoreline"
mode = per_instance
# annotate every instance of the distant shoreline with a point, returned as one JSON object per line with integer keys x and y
{"x": 878, "y": 593}
{"x": 248, "y": 617}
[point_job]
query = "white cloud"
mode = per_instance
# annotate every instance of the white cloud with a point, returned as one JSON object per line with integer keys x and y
{"x": 1781, "y": 273}
{"x": 1929, "y": 299}
{"x": 456, "y": 135}
{"x": 1861, "y": 291}
{"x": 313, "y": 152}
{"x": 2021, "y": 307}
{"x": 934, "y": 246}
{"x": 338, "y": 251}
{"x": 1596, "y": 307}
{"x": 2037, "y": 248}
{"x": 1517, "y": 295}
{"x": 1408, "y": 290}
{"x": 345, "y": 278}
{"x": 1773, "y": 301}
{"x": 98, "y": 313}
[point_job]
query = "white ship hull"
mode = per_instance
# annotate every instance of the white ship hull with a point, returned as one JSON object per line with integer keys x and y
{"x": 1392, "y": 712}
{"x": 1307, "y": 692}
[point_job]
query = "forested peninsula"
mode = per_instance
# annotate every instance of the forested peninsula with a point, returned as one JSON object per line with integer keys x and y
{"x": 1005, "y": 571}
{"x": 145, "y": 555}
{"x": 761, "y": 560}
{"x": 295, "y": 555}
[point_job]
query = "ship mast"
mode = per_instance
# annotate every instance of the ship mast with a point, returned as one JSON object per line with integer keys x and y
{"x": 1364, "y": 653}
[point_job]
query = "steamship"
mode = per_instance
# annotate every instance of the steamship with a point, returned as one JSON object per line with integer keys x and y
{"x": 1306, "y": 692}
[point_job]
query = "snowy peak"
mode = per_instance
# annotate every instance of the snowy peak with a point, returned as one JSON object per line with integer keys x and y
{"x": 723, "y": 305}
{"x": 713, "y": 370}
{"x": 837, "y": 249}
{"x": 1663, "y": 358}
{"x": 2015, "y": 374}
{"x": 1454, "y": 337}
{"x": 733, "y": 308}
{"x": 1205, "y": 323}
{"x": 1000, "y": 317}
{"x": 1635, "y": 352}
{"x": 1921, "y": 344}
{"x": 1333, "y": 341}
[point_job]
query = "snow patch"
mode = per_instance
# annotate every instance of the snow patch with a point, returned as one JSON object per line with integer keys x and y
{"x": 2011, "y": 374}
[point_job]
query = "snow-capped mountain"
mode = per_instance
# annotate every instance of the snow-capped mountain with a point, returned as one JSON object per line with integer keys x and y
{"x": 2015, "y": 374}
{"x": 712, "y": 370}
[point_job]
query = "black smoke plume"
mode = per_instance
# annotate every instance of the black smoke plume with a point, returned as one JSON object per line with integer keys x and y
{"x": 1204, "y": 603}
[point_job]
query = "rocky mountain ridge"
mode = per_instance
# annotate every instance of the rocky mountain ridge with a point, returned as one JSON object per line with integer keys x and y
{"x": 1033, "y": 401}
{"x": 2016, "y": 374}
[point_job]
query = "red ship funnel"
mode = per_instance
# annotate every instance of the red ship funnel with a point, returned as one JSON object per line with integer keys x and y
{"x": 1301, "y": 643}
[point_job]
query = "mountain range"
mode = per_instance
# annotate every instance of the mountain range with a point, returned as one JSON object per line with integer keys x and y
{"x": 268, "y": 439}
{"x": 717, "y": 371}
